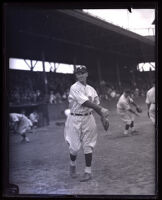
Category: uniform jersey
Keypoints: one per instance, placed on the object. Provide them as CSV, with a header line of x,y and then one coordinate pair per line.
x,y
24,123
123,103
150,96
15,117
81,130
80,93
150,99
123,106
33,117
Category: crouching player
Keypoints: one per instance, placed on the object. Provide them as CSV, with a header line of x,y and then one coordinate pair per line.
x,y
22,125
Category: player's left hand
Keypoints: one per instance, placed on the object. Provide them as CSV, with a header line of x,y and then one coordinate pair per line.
x,y
105,122
139,109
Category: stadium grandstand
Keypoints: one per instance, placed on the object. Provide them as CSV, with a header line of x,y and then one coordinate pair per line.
x,y
109,51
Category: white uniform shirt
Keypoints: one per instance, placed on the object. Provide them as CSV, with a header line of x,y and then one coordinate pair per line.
x,y
150,96
33,117
79,94
16,117
124,103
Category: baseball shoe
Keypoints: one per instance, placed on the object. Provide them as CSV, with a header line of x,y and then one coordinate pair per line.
x,y
86,177
126,132
26,139
73,171
133,130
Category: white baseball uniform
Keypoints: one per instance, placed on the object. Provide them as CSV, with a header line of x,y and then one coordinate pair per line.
x,y
81,130
24,124
33,117
150,99
123,105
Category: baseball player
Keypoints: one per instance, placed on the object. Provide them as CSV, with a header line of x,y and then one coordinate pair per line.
x,y
150,101
34,117
52,98
125,111
22,123
80,125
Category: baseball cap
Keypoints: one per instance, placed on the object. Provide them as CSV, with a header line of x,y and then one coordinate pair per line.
x,y
127,91
80,69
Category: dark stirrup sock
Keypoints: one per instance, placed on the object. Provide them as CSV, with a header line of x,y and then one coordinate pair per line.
x,y
132,124
88,159
126,126
73,157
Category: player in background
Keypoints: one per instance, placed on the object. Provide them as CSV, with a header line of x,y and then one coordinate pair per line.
x,y
80,126
34,117
150,101
22,124
125,111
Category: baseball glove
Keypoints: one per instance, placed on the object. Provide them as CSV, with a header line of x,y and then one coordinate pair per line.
x,y
139,109
105,122
104,112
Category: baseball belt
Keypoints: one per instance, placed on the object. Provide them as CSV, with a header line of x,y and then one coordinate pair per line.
x,y
77,114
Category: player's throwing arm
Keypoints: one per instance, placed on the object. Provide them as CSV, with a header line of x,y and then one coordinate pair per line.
x,y
103,112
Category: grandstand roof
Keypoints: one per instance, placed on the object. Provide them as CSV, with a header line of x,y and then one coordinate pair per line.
x,y
71,36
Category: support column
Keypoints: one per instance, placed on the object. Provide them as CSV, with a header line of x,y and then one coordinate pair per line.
x,y
99,71
55,68
118,75
134,78
74,62
44,74
132,67
150,77
31,68
44,104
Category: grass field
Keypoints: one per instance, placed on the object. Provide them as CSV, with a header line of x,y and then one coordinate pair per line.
x,y
121,165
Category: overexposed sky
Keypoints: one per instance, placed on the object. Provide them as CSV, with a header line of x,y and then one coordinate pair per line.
x,y
139,20
20,64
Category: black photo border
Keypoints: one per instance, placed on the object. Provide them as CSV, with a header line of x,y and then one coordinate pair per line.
x,y
6,186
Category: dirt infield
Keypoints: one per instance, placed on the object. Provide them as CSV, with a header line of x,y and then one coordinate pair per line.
x,y
122,165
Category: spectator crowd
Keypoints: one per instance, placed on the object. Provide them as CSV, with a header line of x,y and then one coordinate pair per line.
x,y
28,87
